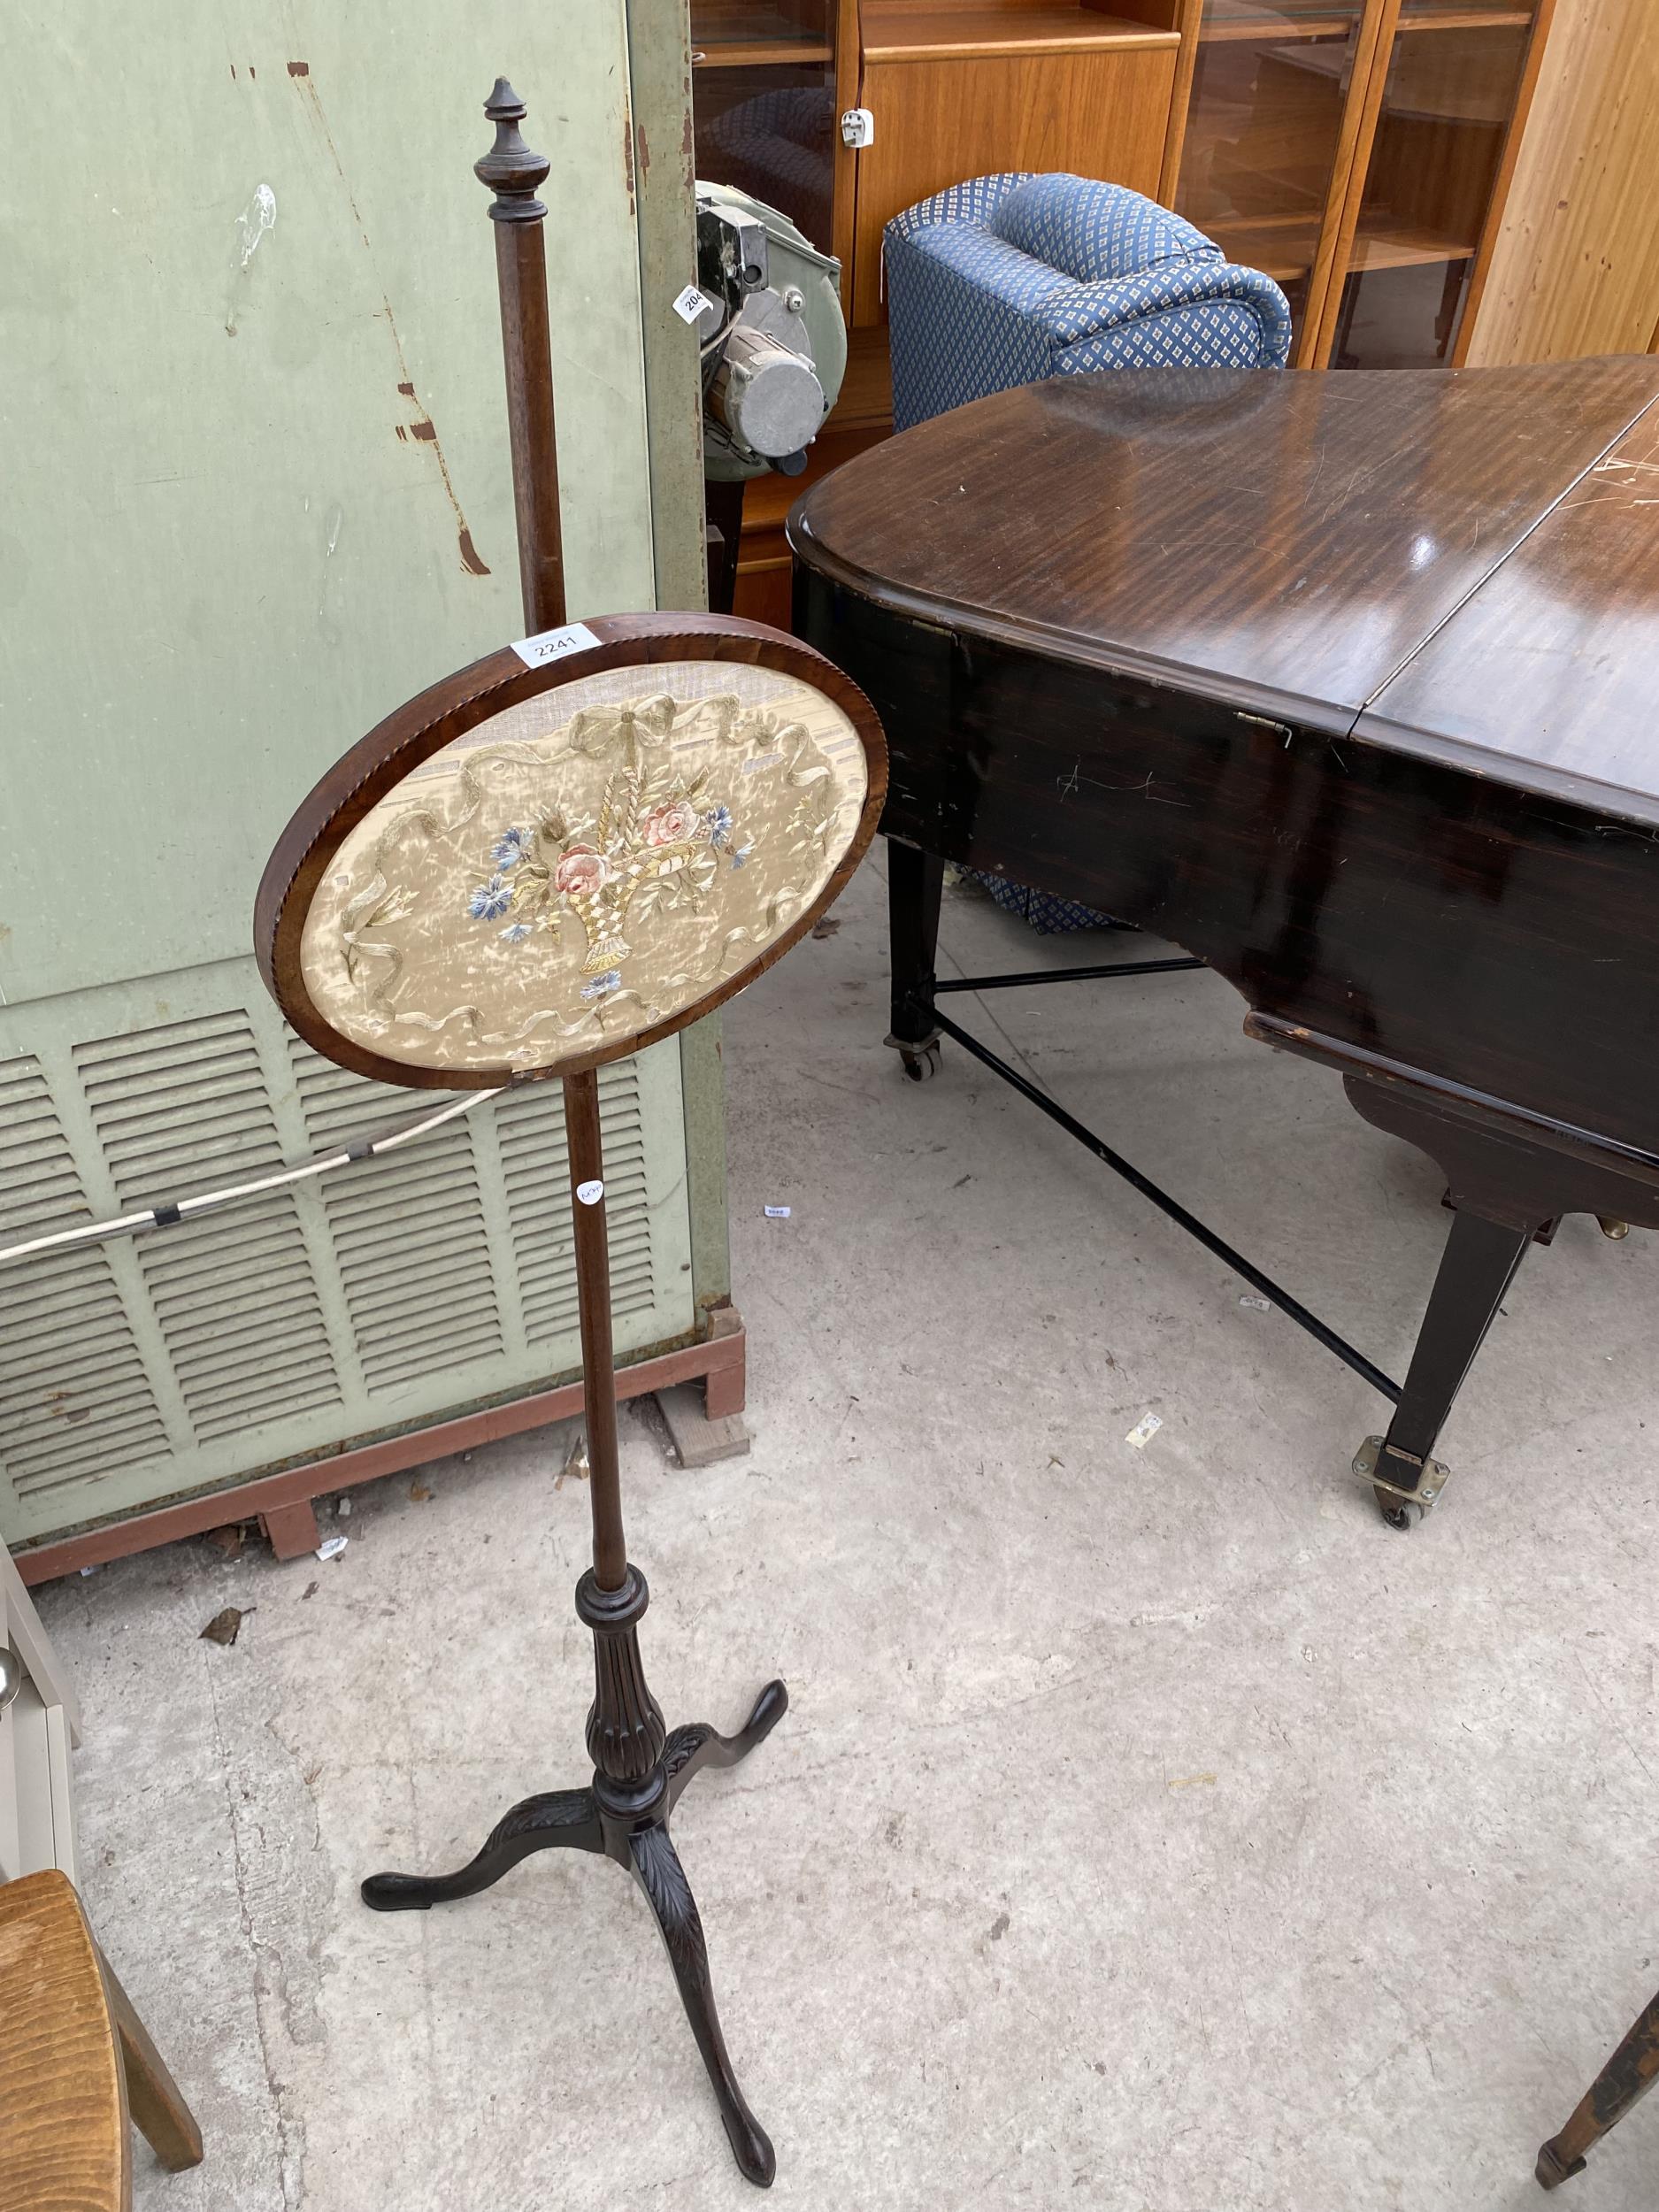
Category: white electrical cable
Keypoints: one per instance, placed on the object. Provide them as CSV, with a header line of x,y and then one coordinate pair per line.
x,y
186,1209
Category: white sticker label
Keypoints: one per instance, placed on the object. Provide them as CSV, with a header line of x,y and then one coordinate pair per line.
x,y
777,1213
1144,1430
552,645
691,304
590,1194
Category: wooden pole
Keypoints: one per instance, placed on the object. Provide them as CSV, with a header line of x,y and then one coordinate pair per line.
x,y
592,1297
513,172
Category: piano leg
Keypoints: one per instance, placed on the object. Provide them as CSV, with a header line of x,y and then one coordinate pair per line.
x,y
1476,1270
1507,1182
915,880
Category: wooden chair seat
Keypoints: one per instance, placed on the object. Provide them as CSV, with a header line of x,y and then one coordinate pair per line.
x,y
75,2062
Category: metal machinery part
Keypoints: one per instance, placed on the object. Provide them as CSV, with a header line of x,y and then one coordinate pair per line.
x,y
772,337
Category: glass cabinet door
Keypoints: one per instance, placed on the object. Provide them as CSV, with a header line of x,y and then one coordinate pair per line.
x,y
1453,77
763,96
1270,87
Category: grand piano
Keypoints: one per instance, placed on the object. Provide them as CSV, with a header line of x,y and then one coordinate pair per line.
x,y
1349,686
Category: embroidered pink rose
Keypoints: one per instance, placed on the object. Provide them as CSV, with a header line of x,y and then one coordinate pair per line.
x,y
582,869
675,823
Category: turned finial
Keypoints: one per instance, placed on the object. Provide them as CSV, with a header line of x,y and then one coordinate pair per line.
x,y
509,169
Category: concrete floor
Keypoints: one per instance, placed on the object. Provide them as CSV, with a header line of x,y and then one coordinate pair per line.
x,y
1149,1829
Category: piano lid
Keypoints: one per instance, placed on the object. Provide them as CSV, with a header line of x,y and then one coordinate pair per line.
x,y
1290,541
1548,676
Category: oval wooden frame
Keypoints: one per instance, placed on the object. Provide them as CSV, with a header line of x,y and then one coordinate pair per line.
x,y
447,710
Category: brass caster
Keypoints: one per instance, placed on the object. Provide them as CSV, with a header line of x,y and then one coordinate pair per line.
x,y
1403,1505
1610,1227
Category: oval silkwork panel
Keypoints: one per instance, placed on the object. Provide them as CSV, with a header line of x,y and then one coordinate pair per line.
x,y
583,866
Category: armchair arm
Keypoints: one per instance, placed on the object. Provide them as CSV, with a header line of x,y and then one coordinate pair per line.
x,y
971,202
1077,311
1003,281
959,308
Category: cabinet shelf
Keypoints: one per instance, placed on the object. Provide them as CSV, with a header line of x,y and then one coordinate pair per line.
x,y
1281,246
1272,26
1466,15
897,33
758,53
1274,33
1382,244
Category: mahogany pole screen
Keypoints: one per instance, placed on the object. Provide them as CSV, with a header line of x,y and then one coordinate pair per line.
x,y
538,866
551,860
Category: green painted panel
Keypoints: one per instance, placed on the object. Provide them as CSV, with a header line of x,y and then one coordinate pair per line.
x,y
383,1296
253,414
659,58
232,540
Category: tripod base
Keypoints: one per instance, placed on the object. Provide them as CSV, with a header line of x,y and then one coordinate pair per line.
x,y
629,1823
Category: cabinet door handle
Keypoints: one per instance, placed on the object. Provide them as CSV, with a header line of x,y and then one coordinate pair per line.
x,y
10,1675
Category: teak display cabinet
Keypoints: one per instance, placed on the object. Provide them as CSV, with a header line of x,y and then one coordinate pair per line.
x,y
1358,151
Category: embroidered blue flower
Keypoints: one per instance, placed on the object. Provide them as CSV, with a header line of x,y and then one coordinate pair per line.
x,y
510,848
603,985
719,821
515,933
490,901
740,856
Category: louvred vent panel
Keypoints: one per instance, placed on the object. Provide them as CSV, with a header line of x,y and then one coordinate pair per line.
x,y
293,1323
410,1235
536,1170
179,1109
74,1398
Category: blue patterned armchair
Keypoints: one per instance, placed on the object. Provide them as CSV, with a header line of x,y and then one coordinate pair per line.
x,y
1005,281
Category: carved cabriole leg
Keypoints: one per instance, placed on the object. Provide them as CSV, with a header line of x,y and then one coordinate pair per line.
x,y
1628,2076
558,1820
689,1749
914,882
635,1782
662,1880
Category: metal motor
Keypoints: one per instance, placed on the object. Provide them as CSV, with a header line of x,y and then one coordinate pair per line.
x,y
773,343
